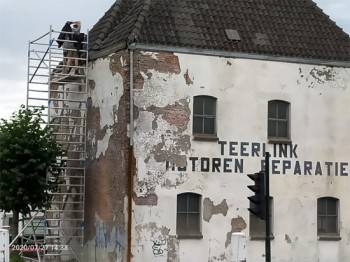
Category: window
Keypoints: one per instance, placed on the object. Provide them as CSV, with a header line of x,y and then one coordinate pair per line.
x,y
328,218
278,120
204,116
257,225
188,215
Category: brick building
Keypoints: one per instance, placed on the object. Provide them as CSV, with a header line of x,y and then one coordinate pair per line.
x,y
184,99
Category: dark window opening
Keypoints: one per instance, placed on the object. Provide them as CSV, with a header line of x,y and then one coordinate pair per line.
x,y
278,119
188,215
327,216
204,115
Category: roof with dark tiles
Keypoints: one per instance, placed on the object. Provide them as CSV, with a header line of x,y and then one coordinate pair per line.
x,y
287,28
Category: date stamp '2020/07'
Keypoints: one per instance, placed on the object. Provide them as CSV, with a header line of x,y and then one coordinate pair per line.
x,y
35,247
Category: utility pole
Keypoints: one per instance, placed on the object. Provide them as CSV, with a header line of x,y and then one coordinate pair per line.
x,y
267,209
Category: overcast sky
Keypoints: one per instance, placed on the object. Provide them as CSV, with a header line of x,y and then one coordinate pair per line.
x,y
24,20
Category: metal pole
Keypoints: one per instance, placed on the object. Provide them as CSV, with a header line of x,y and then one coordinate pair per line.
x,y
267,209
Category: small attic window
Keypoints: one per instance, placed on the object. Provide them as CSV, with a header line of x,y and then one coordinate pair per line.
x,y
232,34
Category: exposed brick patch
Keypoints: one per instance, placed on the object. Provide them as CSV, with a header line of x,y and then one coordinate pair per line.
x,y
107,176
148,200
172,154
119,62
160,62
177,114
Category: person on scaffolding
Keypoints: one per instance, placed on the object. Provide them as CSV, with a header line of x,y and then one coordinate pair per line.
x,y
70,39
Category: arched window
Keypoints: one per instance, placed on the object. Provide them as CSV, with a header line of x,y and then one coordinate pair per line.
x,y
327,216
278,119
204,115
188,215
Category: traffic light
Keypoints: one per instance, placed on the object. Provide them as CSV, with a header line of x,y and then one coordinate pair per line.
x,y
258,200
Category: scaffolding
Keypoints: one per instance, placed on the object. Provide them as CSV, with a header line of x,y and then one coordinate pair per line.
x,y
60,89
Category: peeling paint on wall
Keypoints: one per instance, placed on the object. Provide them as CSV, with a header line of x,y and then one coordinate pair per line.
x,y
173,249
147,200
117,63
102,145
188,79
107,149
110,239
106,92
322,75
237,225
287,238
222,257
177,114
319,76
153,232
162,133
146,62
209,209
170,149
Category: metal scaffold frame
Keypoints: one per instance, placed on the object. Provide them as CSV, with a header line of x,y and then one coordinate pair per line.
x,y
57,83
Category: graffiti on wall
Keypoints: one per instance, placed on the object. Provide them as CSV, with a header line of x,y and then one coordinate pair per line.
x,y
107,237
158,247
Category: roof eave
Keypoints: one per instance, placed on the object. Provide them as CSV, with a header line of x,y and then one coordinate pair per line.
x,y
275,58
95,54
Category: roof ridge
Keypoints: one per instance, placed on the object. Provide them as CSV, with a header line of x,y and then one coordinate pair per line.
x,y
136,28
110,24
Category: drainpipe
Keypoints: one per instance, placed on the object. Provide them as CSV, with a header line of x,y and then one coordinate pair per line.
x,y
131,153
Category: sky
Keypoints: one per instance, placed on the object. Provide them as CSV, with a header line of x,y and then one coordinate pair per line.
x,y
25,20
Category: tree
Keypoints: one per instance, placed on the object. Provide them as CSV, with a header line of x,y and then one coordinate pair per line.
x,y
28,151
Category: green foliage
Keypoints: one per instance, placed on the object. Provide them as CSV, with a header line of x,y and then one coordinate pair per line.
x,y
27,152
15,257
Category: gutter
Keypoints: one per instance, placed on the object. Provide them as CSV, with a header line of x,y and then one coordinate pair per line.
x,y
196,51
131,155
95,54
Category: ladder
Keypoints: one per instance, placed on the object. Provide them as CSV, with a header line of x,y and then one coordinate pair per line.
x,y
60,89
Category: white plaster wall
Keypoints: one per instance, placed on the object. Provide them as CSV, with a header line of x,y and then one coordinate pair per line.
x,y
105,91
319,126
105,96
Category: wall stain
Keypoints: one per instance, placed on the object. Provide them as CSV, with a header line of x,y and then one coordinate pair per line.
x,y
151,232
321,76
147,185
188,79
173,249
287,238
177,115
91,84
222,257
106,176
144,62
237,225
147,200
117,62
209,209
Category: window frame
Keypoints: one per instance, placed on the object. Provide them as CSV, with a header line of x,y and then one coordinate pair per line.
x,y
258,232
277,119
203,116
333,234
185,233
